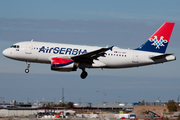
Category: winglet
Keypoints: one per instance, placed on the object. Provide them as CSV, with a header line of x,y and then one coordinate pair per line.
x,y
110,48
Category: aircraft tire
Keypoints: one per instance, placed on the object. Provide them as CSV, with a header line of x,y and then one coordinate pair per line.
x,y
26,70
84,75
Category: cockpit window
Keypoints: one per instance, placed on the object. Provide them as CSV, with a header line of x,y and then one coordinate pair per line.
x,y
15,46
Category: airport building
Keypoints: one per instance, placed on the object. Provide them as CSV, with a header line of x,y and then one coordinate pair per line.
x,y
14,108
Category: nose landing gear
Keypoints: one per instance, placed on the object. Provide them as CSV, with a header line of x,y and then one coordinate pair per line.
x,y
27,69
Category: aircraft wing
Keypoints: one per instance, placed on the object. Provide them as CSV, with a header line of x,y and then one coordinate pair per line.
x,y
88,57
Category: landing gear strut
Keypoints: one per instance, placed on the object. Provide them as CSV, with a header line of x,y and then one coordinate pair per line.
x,y
84,73
27,69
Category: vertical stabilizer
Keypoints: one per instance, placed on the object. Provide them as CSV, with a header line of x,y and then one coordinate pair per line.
x,y
158,42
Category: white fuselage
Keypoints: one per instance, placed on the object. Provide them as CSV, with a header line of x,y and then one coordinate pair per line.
x,y
43,52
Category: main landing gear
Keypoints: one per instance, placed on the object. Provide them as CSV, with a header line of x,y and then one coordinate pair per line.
x,y
84,74
27,69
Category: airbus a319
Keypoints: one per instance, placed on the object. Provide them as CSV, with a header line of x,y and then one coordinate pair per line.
x,y
68,57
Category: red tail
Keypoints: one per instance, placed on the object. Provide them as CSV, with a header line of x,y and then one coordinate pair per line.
x,y
165,30
158,42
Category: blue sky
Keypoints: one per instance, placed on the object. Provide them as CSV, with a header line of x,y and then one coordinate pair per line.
x,y
126,24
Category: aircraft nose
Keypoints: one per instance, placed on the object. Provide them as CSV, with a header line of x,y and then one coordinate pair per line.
x,y
5,53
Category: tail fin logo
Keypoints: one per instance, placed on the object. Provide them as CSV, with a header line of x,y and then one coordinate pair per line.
x,y
157,42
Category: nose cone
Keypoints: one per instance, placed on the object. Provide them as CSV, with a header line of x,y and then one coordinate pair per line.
x,y
5,53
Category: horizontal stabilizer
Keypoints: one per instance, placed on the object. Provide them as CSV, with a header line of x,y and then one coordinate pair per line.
x,y
159,56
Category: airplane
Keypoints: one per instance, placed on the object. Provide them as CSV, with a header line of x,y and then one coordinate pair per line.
x,y
69,57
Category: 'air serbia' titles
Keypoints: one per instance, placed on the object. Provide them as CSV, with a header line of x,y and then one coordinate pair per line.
x,y
66,51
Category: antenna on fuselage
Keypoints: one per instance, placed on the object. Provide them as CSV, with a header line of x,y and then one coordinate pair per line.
x,y
32,40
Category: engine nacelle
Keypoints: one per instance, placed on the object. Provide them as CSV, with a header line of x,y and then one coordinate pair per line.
x,y
63,64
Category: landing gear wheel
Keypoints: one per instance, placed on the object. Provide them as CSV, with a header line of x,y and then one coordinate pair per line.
x,y
84,75
26,70
28,66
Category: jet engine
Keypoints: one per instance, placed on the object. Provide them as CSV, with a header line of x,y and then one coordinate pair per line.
x,y
63,64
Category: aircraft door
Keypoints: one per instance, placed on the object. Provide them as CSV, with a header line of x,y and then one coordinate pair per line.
x,y
28,48
135,57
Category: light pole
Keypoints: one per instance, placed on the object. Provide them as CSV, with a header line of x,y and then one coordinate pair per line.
x,y
54,100
2,99
105,97
79,101
97,99
119,101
